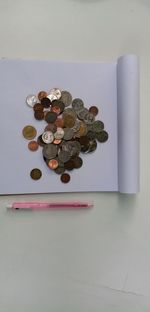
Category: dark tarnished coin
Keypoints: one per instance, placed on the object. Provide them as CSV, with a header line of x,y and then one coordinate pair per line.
x,y
42,94
77,104
50,117
102,136
68,133
60,170
40,141
29,132
45,102
84,140
51,127
35,174
39,115
69,111
89,118
82,113
65,177
50,151
60,104
63,156
77,162
33,146
66,98
93,110
92,146
97,126
69,121
38,106
69,165
91,135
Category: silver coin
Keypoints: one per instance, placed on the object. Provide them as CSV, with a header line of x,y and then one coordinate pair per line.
x,y
75,147
31,100
68,134
66,98
48,137
54,94
59,133
89,118
98,126
63,156
76,126
77,104
50,151
69,111
82,113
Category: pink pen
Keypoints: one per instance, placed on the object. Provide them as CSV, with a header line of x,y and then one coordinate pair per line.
x,y
50,205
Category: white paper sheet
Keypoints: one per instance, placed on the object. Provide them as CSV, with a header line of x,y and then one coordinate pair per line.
x,y
96,84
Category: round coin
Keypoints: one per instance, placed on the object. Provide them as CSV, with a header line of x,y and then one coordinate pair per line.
x,y
82,113
68,134
59,122
60,170
53,164
29,132
94,110
48,137
65,177
33,146
59,133
38,106
89,118
45,102
39,115
66,98
69,165
60,104
35,174
51,127
69,121
42,94
98,126
50,117
31,100
77,104
102,136
55,109
54,94
63,156
50,151
77,162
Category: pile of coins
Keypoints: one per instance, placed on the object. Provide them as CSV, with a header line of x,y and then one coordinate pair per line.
x,y
70,129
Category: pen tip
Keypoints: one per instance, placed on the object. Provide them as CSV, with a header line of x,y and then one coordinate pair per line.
x,y
9,206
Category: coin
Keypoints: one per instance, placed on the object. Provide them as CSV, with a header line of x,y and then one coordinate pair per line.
x,y
31,100
33,146
55,109
77,104
66,98
102,136
76,126
53,164
59,122
84,140
29,132
82,113
60,170
59,133
69,111
40,141
69,121
89,118
82,130
77,162
35,174
69,165
46,102
63,156
56,141
60,104
38,106
94,110
50,117
42,94
92,146
48,137
39,115
51,127
68,134
98,126
54,94
50,151
65,177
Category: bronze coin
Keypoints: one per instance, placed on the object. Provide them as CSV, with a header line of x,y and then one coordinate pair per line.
x,y
77,162
102,136
69,121
69,165
45,102
40,141
42,94
39,114
94,110
59,104
65,177
51,127
29,132
35,174
53,163
59,122
33,146
84,140
55,109
38,106
50,117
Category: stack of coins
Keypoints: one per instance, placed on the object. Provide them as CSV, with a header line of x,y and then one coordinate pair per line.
x,y
71,129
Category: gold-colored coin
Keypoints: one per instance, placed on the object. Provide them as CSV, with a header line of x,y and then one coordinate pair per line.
x,y
35,174
29,132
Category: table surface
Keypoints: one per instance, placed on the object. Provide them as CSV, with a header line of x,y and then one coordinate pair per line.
x,y
98,259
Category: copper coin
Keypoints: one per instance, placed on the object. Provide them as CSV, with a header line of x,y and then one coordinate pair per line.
x,y
94,110
77,162
29,132
57,141
35,174
33,146
59,104
65,177
45,102
38,106
55,109
59,122
53,164
69,165
51,127
50,117
42,94
69,121
39,114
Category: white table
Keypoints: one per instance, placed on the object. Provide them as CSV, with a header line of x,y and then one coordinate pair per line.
x,y
94,260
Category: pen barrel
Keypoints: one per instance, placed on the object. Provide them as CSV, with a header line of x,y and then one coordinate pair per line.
x,y
52,205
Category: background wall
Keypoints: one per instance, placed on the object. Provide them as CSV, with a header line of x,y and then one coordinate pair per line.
x,y
95,260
